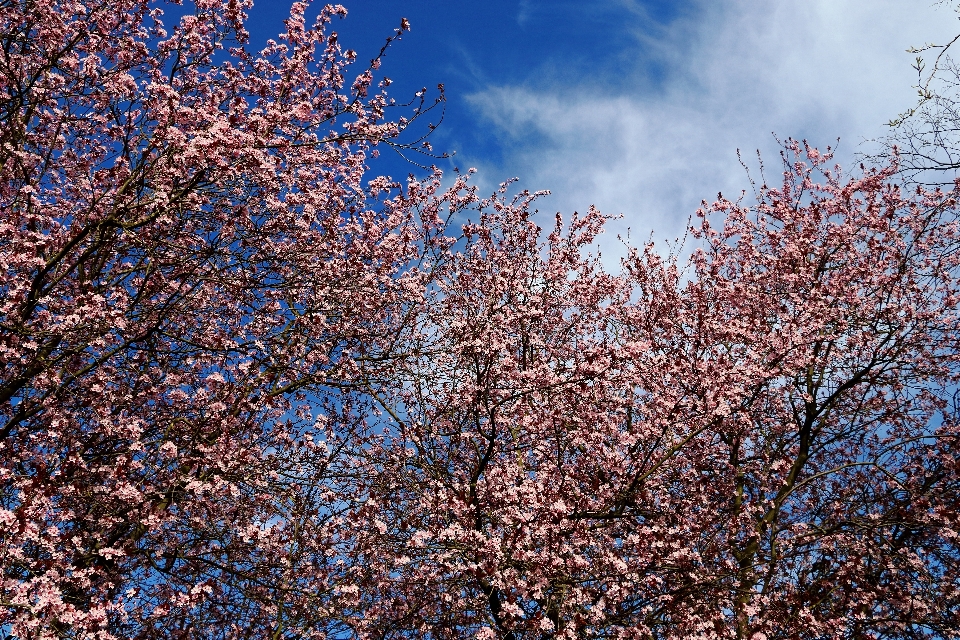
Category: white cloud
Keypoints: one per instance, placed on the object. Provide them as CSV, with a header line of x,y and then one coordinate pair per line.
x,y
735,72
523,12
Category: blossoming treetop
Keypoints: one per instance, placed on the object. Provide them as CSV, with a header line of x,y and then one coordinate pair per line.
x,y
249,391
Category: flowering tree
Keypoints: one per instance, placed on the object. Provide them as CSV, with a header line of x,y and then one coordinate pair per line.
x,y
248,392
191,266
761,445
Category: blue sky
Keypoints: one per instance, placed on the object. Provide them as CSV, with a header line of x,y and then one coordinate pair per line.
x,y
639,106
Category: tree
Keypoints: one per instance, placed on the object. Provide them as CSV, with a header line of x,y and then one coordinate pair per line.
x,y
248,392
193,272
927,136
760,445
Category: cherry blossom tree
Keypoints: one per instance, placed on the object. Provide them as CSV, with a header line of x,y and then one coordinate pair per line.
x,y
761,444
248,391
194,271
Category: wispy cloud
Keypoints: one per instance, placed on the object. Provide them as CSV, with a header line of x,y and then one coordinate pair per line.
x,y
732,72
524,11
